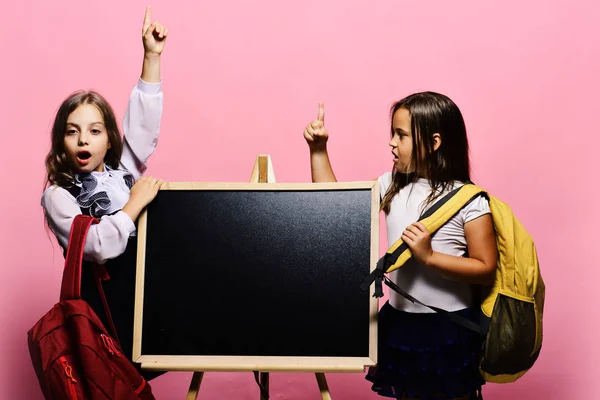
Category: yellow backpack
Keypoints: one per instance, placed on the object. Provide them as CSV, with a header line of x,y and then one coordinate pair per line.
x,y
512,308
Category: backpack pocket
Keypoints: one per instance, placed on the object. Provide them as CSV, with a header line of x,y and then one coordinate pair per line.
x,y
510,346
114,375
64,380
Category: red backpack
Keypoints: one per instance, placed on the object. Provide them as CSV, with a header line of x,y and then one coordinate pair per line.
x,y
73,355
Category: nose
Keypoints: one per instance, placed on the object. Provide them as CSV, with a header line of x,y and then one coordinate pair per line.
x,y
393,142
83,139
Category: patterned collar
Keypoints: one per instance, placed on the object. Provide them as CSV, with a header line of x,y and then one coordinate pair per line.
x,y
89,195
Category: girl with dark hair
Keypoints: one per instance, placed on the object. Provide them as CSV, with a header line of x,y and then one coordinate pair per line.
x,y
422,354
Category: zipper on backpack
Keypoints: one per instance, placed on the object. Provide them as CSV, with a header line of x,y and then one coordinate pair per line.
x,y
109,344
69,373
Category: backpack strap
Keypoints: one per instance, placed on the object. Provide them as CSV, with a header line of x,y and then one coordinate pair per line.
x,y
71,282
100,274
398,249
433,218
460,320
397,255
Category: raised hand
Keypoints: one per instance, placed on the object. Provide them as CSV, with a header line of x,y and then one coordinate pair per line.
x,y
154,35
315,133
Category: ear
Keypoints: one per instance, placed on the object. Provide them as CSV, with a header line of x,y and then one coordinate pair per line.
x,y
109,145
437,141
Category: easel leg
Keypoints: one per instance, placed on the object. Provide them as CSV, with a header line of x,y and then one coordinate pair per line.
x,y
325,395
263,173
264,381
195,386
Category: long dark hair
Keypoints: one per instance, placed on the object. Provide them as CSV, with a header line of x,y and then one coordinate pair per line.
x,y
432,113
58,170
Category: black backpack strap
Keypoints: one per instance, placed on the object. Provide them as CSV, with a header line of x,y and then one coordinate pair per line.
x,y
377,276
460,320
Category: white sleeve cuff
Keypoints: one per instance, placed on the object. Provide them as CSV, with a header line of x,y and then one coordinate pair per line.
x,y
148,87
124,222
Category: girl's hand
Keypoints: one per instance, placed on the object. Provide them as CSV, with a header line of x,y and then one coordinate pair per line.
x,y
144,191
154,35
141,194
315,133
418,240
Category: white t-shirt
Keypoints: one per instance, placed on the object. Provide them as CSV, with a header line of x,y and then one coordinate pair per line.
x,y
427,284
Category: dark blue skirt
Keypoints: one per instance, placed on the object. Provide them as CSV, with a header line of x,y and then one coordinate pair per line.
x,y
426,356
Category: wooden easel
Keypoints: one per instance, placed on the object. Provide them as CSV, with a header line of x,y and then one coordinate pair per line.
x,y
261,173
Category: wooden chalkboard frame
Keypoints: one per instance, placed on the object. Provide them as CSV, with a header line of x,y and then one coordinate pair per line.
x,y
257,363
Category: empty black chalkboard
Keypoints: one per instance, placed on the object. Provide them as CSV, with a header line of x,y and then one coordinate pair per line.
x,y
236,271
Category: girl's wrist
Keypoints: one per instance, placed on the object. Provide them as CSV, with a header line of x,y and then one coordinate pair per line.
x,y
430,261
134,206
314,150
151,56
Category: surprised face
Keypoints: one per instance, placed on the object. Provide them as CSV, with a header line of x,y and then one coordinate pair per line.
x,y
86,139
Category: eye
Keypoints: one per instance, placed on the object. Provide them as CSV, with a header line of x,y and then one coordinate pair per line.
x,y
70,132
96,131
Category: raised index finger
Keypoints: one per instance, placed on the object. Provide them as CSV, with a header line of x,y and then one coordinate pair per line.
x,y
148,17
321,116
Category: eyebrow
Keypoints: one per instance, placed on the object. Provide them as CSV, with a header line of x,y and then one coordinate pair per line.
x,y
400,130
75,125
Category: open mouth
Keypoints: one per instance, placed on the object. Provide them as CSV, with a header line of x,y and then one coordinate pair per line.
x,y
84,155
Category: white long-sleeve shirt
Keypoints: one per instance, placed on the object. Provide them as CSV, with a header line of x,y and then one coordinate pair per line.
x,y
108,239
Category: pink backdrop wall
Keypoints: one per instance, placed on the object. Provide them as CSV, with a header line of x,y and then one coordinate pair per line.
x,y
244,77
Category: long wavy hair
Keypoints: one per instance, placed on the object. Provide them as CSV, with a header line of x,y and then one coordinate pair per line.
x,y
58,169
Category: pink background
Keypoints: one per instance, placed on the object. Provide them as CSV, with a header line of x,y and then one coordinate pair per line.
x,y
244,77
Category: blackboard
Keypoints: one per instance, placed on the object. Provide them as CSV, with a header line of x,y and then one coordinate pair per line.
x,y
255,276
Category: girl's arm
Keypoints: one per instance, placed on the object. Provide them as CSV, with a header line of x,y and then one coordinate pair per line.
x,y
107,239
141,124
316,136
478,268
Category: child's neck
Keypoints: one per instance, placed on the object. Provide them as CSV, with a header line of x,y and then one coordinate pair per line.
x,y
99,168
422,175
